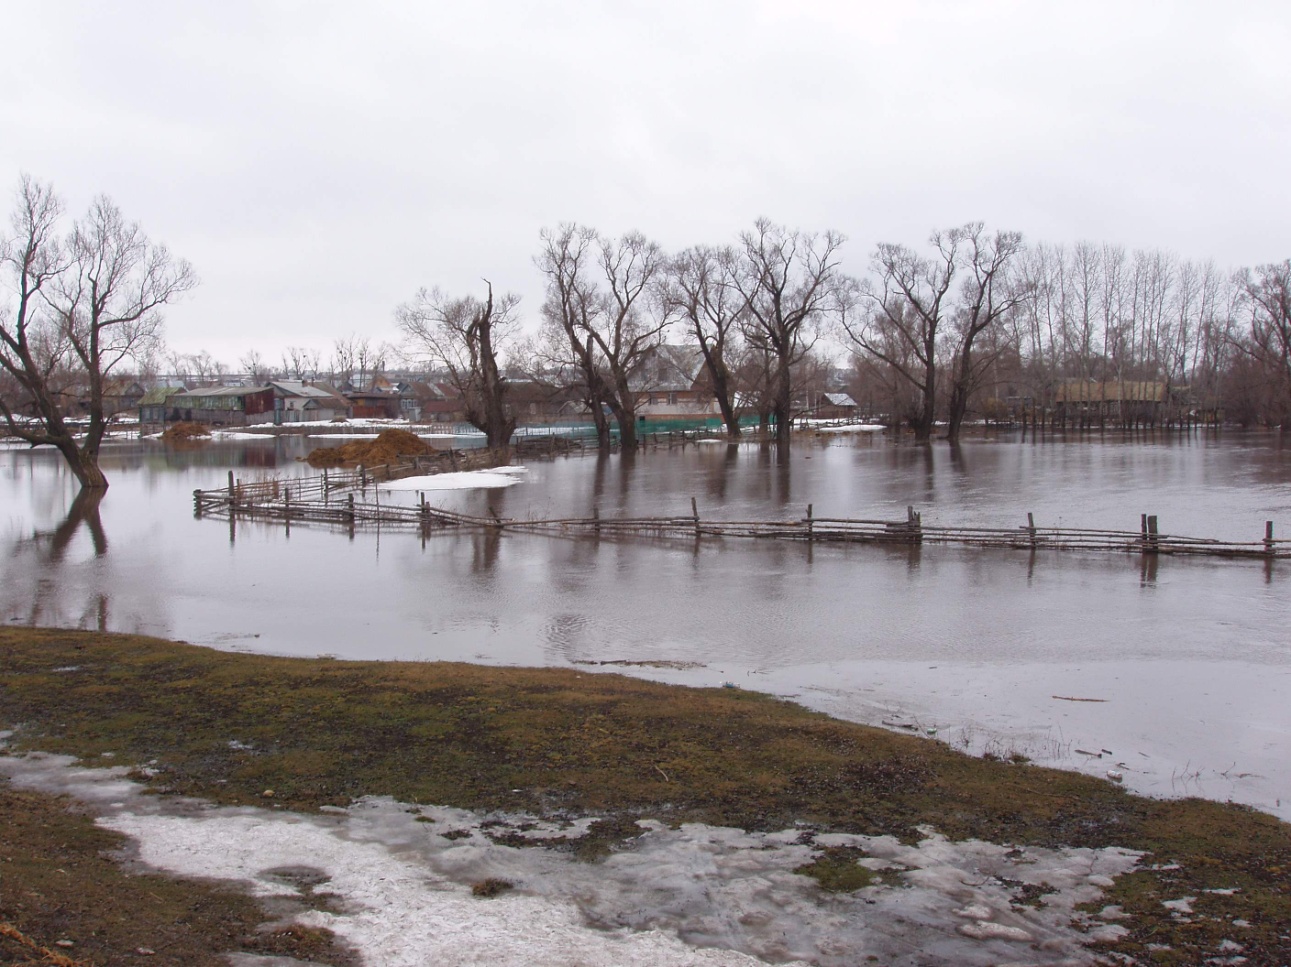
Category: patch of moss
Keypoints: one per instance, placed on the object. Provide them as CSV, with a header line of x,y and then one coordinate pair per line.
x,y
837,870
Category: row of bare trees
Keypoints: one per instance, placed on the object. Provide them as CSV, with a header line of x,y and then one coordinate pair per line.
x,y
1216,340
755,310
355,359
932,328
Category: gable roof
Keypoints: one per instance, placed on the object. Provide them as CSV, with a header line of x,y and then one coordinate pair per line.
x,y
669,368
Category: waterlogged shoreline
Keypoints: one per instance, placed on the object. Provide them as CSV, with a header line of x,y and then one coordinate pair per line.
x,y
627,757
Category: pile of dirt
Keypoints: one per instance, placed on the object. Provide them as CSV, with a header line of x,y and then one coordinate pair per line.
x,y
390,446
186,433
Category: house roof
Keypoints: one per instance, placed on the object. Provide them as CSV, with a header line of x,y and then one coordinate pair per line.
x,y
156,396
838,399
670,368
210,391
311,391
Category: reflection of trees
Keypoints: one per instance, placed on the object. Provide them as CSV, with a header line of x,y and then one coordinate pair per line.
x,y
484,550
720,470
41,557
84,510
773,479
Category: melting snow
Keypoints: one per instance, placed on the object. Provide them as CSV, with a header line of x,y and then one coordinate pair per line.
x,y
465,480
699,896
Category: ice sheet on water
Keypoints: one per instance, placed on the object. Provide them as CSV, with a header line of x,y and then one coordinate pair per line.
x,y
700,896
463,480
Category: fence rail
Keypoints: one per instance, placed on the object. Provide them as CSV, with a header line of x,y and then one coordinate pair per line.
x,y
330,499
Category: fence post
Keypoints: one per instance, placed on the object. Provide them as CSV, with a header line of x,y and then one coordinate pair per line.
x,y
809,523
915,523
1268,538
349,511
1153,537
1031,528
197,504
694,513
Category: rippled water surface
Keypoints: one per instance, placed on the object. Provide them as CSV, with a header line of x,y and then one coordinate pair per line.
x,y
1190,659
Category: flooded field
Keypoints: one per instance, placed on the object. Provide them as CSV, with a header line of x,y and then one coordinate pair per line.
x,y
1174,674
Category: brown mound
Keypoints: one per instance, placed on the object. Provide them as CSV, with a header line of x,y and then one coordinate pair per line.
x,y
186,433
389,447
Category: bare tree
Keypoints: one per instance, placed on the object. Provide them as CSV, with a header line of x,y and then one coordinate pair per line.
x,y
568,261
604,316
205,367
989,294
1266,293
902,317
83,304
256,369
702,290
630,322
789,281
350,355
300,362
463,336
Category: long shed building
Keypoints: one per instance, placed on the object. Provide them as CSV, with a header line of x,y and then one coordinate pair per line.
x,y
222,406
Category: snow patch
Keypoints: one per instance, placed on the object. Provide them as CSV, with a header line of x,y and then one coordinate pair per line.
x,y
700,896
463,480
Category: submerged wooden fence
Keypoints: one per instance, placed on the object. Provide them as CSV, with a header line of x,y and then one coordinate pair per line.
x,y
330,499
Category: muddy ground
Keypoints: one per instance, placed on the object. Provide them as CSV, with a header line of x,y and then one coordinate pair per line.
x,y
304,734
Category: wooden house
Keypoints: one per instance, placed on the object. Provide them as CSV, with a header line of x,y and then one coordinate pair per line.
x,y
1119,402
835,406
304,401
152,405
373,404
670,385
222,406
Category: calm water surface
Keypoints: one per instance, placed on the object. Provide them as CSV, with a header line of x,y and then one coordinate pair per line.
x,y
1190,659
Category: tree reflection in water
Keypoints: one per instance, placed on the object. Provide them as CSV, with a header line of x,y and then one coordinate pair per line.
x,y
50,549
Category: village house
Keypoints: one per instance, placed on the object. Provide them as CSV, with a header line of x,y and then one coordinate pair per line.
x,y
152,405
119,396
222,406
1084,401
670,385
303,401
835,406
432,402
535,402
374,404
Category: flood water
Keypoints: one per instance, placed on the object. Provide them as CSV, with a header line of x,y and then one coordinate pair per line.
x,y
1183,665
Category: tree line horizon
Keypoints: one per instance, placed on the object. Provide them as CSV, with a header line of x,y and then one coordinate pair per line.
x,y
928,329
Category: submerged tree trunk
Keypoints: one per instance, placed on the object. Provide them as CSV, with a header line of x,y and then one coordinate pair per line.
x,y
627,421
729,415
782,407
601,422
84,465
961,386
927,418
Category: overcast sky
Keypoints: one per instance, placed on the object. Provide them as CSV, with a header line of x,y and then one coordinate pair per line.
x,y
318,161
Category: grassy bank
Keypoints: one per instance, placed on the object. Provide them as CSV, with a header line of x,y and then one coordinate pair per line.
x,y
308,733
